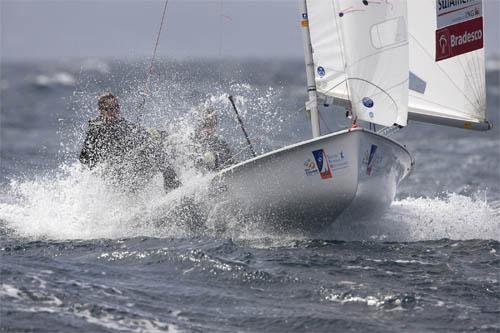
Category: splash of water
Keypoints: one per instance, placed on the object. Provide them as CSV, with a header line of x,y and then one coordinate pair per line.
x,y
77,204
453,216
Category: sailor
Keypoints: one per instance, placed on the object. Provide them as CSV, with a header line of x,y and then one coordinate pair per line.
x,y
214,153
126,152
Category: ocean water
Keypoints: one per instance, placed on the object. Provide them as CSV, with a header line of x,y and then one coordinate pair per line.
x,y
79,256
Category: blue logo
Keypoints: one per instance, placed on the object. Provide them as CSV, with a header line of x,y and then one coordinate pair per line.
x,y
370,114
368,102
373,149
321,71
304,16
322,163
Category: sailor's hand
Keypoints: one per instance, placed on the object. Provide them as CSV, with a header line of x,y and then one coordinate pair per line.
x,y
209,159
153,132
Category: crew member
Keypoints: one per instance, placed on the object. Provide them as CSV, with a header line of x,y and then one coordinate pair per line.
x,y
127,152
214,152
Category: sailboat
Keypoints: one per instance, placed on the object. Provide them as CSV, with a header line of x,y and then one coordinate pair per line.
x,y
388,63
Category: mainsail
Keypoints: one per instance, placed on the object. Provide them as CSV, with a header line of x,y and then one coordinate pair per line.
x,y
382,56
449,91
360,51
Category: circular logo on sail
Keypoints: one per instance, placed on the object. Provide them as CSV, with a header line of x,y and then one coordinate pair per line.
x,y
368,102
321,71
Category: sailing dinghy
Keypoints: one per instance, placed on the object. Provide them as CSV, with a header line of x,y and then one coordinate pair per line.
x,y
387,62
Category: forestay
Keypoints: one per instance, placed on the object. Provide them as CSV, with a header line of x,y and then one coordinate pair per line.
x,y
451,91
360,50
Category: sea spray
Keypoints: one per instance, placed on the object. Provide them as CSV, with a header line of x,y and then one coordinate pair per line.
x,y
452,216
75,203
78,204
177,97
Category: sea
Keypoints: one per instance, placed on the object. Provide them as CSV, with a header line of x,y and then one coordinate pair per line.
x,y
78,255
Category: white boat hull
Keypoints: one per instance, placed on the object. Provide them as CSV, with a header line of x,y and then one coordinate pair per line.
x,y
307,185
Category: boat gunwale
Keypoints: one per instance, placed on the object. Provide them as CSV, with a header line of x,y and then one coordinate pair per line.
x,y
306,142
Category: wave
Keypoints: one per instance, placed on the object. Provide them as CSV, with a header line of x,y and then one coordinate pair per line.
x,y
63,79
452,216
77,204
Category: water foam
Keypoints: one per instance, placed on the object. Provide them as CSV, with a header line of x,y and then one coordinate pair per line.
x,y
454,216
77,204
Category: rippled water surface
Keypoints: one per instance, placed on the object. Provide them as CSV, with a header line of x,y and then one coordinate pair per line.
x,y
204,284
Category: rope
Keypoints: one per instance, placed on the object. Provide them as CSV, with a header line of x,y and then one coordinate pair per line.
x,y
389,131
145,93
221,37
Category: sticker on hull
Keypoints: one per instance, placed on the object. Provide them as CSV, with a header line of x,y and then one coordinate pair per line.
x,y
322,163
310,168
325,164
371,159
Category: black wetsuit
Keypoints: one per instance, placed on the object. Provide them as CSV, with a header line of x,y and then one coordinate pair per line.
x,y
127,152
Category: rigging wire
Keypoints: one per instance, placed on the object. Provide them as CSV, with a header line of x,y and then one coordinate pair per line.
x,y
221,38
145,92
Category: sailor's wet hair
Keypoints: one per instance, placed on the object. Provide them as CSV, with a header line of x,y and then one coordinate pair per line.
x,y
107,102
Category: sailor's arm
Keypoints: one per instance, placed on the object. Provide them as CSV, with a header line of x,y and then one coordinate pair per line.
x,y
88,155
225,158
170,178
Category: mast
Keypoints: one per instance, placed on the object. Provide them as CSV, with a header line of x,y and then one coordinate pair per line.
x,y
312,103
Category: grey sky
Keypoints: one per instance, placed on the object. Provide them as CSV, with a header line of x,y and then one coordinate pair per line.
x,y
34,29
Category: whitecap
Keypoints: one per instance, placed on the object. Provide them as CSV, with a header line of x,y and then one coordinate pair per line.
x,y
454,216
7,290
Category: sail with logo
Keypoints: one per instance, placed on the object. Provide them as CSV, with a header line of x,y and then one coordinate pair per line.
x,y
447,67
394,60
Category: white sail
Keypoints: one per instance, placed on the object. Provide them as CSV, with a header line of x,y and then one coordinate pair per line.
x,y
328,58
369,40
450,91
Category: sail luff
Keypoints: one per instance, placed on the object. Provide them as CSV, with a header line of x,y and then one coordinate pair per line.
x,y
327,45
